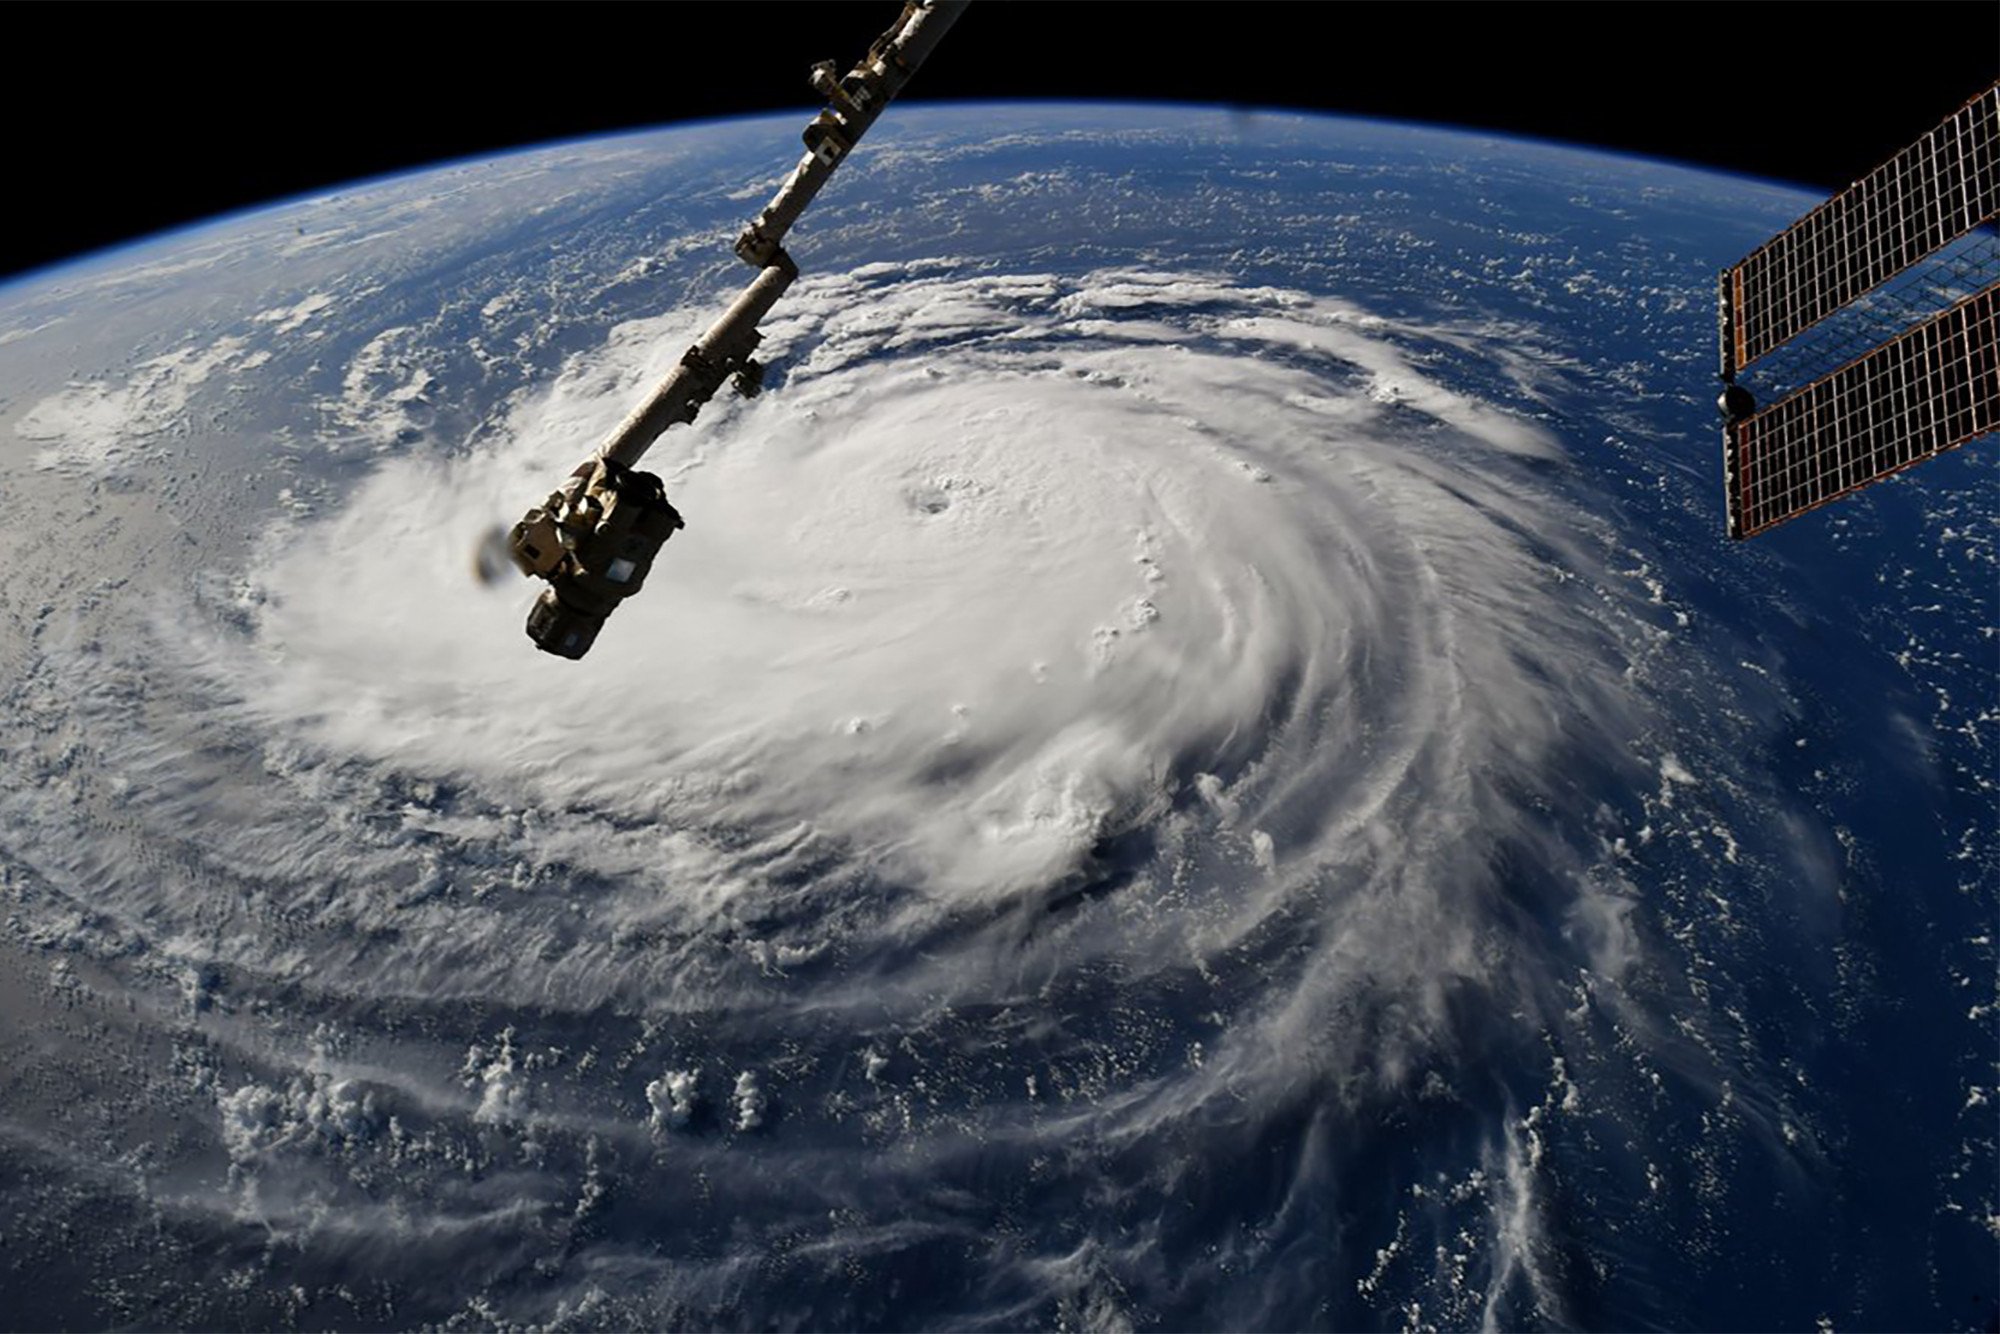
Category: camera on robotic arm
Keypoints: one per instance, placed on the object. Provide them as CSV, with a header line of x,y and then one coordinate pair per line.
x,y
593,540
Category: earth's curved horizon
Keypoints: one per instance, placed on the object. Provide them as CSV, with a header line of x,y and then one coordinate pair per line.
x,y
1244,116
1202,762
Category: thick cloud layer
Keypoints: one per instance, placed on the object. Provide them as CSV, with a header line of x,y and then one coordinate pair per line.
x,y
1164,705
1118,766
999,574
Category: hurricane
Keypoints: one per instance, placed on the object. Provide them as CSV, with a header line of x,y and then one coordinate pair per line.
x,y
1156,702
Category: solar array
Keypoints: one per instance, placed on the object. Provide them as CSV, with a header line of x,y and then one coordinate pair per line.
x,y
1828,305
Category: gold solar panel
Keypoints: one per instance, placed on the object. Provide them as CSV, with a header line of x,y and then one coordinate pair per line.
x,y
1869,323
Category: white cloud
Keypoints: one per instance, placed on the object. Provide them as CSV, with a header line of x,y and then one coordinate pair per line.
x,y
907,606
750,1102
284,319
96,428
951,634
673,1097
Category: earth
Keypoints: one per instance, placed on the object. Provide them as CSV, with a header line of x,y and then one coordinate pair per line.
x,y
1201,762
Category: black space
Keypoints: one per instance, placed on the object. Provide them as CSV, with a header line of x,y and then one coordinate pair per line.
x,y
181,112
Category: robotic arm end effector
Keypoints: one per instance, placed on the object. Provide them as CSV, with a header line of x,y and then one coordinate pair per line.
x,y
594,541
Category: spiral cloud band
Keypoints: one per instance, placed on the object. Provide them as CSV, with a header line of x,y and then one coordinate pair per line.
x,y
1004,569
1101,743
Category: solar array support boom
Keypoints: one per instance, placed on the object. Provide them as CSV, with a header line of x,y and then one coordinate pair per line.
x,y
1881,300
595,537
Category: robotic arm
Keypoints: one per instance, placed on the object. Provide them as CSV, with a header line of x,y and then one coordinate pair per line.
x,y
594,539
